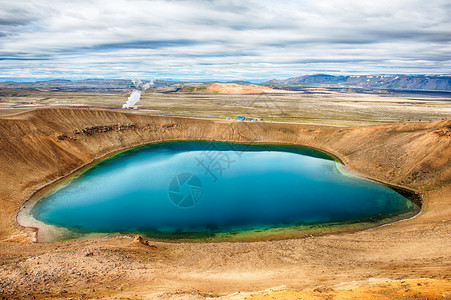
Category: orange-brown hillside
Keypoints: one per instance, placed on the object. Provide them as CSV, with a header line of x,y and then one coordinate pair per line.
x,y
234,88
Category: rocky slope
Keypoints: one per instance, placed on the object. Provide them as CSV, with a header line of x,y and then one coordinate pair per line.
x,y
40,146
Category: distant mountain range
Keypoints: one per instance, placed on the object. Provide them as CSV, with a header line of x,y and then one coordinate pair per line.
x,y
67,84
396,82
87,84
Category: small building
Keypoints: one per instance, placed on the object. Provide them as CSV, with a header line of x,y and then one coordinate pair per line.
x,y
253,120
241,118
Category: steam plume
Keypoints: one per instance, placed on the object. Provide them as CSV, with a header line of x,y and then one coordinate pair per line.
x,y
133,99
136,94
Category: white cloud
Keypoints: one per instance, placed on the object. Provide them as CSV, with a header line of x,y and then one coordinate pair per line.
x,y
222,39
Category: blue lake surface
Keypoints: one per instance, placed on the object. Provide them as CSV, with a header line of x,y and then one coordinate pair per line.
x,y
209,187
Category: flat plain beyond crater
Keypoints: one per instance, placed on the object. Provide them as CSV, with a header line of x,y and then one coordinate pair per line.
x,y
376,136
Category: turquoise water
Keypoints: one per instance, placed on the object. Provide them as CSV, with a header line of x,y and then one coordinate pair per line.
x,y
208,187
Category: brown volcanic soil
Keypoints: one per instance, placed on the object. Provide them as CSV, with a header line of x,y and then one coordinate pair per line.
x,y
234,88
40,146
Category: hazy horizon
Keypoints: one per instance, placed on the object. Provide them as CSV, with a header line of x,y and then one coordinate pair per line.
x,y
35,80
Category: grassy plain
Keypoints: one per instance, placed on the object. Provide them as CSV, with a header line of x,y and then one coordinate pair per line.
x,y
311,106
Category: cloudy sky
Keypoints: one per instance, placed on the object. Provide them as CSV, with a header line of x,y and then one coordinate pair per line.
x,y
222,39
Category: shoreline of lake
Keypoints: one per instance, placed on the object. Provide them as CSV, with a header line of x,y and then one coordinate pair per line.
x,y
50,233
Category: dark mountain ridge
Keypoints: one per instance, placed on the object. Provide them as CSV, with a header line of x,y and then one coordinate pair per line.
x,y
396,82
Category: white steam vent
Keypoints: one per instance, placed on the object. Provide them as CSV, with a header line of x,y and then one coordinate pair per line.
x,y
139,87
